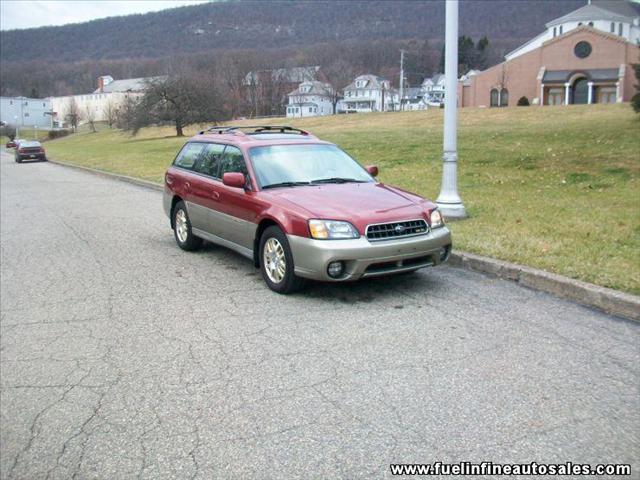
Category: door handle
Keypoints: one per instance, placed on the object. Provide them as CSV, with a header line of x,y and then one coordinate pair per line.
x,y
187,186
215,195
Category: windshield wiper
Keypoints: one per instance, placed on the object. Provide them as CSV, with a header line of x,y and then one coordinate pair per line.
x,y
285,184
338,180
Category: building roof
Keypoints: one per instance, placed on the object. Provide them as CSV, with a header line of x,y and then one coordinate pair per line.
x,y
373,81
595,75
128,85
412,93
317,88
286,75
436,79
615,11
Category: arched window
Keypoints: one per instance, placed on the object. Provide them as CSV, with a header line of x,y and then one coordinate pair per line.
x,y
504,97
494,97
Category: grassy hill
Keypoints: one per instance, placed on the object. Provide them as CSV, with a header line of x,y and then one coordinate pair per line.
x,y
556,188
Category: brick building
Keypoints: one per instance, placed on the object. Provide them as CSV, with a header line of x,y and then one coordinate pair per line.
x,y
583,57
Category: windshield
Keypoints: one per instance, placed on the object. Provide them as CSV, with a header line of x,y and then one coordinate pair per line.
x,y
293,165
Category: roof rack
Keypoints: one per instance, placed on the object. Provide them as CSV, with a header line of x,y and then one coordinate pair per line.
x,y
221,130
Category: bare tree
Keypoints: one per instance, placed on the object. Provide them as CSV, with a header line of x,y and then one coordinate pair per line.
x,y
110,112
182,98
339,74
73,114
90,117
125,116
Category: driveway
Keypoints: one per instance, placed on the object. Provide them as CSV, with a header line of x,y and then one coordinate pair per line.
x,y
123,356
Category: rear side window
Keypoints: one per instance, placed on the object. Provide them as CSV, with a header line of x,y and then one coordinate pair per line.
x,y
209,161
189,155
232,161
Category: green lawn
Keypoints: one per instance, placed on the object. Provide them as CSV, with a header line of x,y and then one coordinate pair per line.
x,y
556,188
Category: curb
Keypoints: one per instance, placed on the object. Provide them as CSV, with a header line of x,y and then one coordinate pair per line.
x,y
124,178
605,299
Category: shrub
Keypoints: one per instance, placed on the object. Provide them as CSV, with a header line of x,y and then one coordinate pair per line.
x,y
8,131
58,133
523,102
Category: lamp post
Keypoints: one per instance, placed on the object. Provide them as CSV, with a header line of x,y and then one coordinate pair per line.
x,y
449,202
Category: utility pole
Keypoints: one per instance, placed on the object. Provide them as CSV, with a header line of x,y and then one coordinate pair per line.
x,y
449,201
401,77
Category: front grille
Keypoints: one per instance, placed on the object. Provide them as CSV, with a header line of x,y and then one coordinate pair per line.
x,y
387,231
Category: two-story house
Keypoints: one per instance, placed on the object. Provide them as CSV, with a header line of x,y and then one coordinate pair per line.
x,y
311,99
433,89
369,93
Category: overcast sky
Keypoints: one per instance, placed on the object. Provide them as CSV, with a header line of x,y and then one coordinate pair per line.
x,y
38,13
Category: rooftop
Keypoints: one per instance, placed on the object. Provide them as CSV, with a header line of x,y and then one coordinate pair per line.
x,y
128,85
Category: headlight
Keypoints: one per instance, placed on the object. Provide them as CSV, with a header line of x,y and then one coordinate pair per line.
x,y
436,219
332,230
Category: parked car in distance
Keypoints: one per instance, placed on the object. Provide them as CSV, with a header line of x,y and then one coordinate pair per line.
x,y
298,207
10,144
29,150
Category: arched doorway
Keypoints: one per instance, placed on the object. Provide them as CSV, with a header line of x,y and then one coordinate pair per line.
x,y
580,91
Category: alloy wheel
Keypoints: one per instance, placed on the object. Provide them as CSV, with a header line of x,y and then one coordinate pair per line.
x,y
182,230
274,260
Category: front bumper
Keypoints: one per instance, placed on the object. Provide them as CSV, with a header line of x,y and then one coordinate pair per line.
x,y
363,258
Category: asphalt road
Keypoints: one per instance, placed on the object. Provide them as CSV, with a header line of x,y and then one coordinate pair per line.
x,y
123,356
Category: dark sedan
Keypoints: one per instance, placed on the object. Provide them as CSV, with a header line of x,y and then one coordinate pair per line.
x,y
30,150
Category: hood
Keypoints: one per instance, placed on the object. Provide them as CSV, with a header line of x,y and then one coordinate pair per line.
x,y
358,203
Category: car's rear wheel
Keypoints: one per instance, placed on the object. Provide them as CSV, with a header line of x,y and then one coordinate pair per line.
x,y
276,262
185,238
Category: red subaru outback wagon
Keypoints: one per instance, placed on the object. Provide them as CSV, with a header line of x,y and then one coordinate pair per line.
x,y
299,207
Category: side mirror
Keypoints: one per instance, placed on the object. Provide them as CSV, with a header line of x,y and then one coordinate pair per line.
x,y
372,169
234,179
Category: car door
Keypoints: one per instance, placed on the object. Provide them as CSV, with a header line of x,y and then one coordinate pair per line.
x,y
238,208
184,181
205,188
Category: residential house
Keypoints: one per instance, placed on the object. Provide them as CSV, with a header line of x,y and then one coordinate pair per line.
x,y
585,57
413,98
311,99
369,93
26,112
433,89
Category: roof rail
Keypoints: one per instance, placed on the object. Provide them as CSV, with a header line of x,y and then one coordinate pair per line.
x,y
256,129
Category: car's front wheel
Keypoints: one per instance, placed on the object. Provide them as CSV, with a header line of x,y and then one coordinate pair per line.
x,y
276,262
185,238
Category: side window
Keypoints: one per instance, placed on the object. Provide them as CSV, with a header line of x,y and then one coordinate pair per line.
x,y
209,161
188,155
232,161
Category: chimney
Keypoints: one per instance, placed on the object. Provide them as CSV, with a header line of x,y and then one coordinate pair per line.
x,y
101,84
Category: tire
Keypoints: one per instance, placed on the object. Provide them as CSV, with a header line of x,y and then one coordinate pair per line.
x,y
185,238
19,160
276,262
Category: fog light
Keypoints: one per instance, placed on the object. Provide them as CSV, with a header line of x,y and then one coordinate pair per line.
x,y
335,269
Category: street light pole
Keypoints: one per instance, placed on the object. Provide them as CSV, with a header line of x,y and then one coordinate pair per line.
x,y
449,202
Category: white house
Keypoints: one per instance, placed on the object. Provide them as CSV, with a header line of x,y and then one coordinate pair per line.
x,y
26,112
433,89
311,99
413,98
369,93
108,97
618,18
